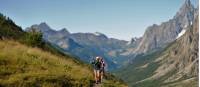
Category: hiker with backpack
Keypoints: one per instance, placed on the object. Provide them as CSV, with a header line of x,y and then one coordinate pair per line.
x,y
97,66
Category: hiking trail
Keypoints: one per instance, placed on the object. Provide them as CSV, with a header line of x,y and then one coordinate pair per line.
x,y
97,85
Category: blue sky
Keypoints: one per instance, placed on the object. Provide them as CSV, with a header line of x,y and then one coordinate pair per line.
x,y
122,19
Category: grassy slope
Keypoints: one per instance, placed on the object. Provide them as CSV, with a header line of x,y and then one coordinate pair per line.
x,y
24,66
31,65
133,73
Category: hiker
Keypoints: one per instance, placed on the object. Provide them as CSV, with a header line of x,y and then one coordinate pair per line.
x,y
102,69
97,65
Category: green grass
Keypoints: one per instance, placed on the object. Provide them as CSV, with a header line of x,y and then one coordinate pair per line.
x,y
155,82
23,66
132,73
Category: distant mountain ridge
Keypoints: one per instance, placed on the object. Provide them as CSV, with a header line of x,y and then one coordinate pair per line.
x,y
120,52
84,45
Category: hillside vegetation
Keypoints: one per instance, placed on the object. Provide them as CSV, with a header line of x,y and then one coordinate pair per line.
x,y
28,61
26,66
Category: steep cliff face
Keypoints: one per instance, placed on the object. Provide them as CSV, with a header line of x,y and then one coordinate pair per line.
x,y
176,65
158,36
182,56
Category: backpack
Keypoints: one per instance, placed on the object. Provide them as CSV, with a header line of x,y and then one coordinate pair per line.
x,y
97,64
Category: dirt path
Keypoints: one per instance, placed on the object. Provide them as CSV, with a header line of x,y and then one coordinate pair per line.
x,y
97,85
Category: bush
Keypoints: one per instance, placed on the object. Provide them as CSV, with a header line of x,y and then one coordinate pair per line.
x,y
33,38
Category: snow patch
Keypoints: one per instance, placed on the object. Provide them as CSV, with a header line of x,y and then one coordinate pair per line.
x,y
185,26
129,42
181,33
97,33
191,23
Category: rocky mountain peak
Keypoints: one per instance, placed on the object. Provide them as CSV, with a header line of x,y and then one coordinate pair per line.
x,y
185,14
64,31
43,23
44,26
187,2
187,6
132,41
158,36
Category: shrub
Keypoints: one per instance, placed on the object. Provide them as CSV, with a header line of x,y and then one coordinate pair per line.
x,y
33,38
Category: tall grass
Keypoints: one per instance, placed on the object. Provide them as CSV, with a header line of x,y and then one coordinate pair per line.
x,y
24,66
27,66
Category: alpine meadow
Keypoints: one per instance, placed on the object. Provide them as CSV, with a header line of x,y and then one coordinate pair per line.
x,y
106,43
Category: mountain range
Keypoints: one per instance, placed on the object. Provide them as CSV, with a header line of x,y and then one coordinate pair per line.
x,y
174,66
26,60
116,52
84,45
159,36
165,56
